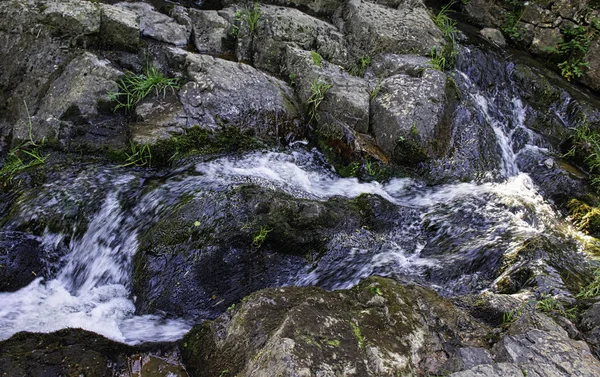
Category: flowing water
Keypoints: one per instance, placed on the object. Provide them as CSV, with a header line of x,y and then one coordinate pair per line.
x,y
451,236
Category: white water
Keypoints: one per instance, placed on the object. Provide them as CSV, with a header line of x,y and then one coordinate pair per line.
x,y
93,288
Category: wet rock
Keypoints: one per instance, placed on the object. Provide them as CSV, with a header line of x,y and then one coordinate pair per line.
x,y
280,27
20,260
406,115
74,352
371,28
223,93
377,328
211,31
119,27
494,35
73,18
544,40
158,26
214,248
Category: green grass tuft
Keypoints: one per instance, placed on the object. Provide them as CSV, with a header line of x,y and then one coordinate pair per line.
x,y
135,87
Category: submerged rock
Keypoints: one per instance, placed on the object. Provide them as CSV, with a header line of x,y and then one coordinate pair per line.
x,y
378,328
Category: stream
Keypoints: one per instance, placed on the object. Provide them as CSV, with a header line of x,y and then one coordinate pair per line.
x,y
450,236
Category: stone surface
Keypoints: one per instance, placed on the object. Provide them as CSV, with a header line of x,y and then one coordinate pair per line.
x,y
223,93
378,328
119,27
158,26
20,260
494,35
74,18
406,114
280,27
371,29
158,117
211,31
312,7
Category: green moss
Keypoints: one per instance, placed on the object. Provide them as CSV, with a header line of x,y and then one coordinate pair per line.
x,y
358,334
333,343
586,218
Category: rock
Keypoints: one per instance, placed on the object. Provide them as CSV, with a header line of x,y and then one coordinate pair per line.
x,y
591,317
386,65
223,93
74,103
470,357
20,260
570,9
484,12
312,7
119,27
591,77
158,117
407,113
371,29
535,339
544,40
280,27
378,328
200,270
74,352
73,18
345,105
494,35
494,370
158,26
211,32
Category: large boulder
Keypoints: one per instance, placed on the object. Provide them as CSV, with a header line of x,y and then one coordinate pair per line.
x,y
372,28
215,247
280,27
378,328
73,18
158,26
407,115
312,7
20,260
223,93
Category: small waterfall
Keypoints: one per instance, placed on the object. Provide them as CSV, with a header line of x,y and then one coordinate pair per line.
x,y
451,236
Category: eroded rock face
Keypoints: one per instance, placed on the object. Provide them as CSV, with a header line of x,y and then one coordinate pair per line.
x,y
372,28
378,328
20,260
223,93
406,114
157,25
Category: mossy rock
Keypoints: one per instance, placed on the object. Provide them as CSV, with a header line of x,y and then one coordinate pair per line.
x,y
379,327
585,217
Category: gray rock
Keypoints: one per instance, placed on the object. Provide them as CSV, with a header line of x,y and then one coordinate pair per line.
x,y
406,114
386,65
591,317
537,340
372,28
158,26
592,76
119,27
73,98
306,332
210,31
280,27
544,39
158,117
73,17
312,7
494,370
485,13
224,93
345,106
494,35
470,357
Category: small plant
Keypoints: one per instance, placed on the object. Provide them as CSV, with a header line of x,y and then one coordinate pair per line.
x,y
260,237
135,87
316,57
438,60
511,316
573,47
292,78
248,17
138,156
376,89
445,23
361,66
586,143
510,26
318,89
23,156
371,168
358,334
593,289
